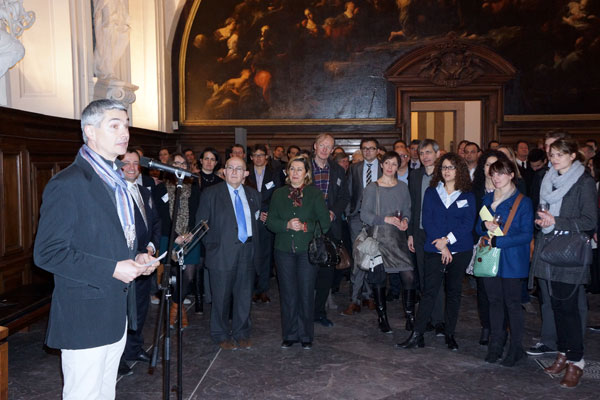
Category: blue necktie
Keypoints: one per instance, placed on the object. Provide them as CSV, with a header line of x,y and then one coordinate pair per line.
x,y
241,218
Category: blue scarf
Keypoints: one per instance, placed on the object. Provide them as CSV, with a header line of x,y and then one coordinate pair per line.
x,y
122,199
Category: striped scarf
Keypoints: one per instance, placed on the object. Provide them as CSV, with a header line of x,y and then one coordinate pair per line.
x,y
119,186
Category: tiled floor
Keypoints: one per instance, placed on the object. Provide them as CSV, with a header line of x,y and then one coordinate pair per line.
x,y
351,360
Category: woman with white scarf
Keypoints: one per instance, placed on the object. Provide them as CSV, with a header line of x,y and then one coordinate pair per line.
x,y
571,195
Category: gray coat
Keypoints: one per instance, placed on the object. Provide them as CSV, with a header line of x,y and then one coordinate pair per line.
x,y
578,210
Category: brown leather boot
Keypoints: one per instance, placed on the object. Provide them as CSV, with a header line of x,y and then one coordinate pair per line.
x,y
173,314
572,376
372,305
184,320
352,309
558,366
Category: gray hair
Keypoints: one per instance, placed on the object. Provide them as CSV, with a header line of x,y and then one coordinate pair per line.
x,y
93,113
429,142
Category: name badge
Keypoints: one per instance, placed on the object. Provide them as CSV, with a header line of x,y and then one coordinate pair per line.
x,y
269,185
462,203
256,215
339,182
165,198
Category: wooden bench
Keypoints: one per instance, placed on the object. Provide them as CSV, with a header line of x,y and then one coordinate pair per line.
x,y
19,309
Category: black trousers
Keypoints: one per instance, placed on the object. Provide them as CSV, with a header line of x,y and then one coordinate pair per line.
x,y
296,276
483,305
135,339
568,319
232,284
262,261
504,296
437,314
434,274
323,285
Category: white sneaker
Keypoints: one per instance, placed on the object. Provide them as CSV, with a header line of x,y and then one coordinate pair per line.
x,y
187,301
154,300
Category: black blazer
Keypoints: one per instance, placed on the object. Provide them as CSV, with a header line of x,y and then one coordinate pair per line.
x,y
271,179
221,241
355,185
151,233
415,179
338,196
80,241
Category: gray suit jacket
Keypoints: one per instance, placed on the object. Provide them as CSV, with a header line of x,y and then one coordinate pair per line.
x,y
221,242
356,187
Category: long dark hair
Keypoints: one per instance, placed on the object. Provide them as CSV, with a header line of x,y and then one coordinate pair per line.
x,y
479,175
463,179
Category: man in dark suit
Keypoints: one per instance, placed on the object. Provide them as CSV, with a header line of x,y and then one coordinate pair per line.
x,y
264,179
330,178
418,182
361,174
231,211
86,238
147,229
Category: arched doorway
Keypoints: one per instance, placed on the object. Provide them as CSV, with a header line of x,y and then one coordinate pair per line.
x,y
451,70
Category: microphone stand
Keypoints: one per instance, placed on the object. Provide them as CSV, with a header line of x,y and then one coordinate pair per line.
x,y
165,309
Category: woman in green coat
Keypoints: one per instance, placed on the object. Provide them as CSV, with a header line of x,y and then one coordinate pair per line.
x,y
293,215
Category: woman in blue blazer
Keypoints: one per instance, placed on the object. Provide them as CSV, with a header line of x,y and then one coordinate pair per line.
x,y
448,216
504,290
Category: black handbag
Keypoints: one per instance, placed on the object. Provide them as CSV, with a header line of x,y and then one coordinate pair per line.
x,y
322,250
567,249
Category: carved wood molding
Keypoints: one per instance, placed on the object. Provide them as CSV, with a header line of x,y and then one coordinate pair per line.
x,y
451,62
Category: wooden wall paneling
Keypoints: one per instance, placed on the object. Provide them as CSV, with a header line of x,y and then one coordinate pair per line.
x,y
12,208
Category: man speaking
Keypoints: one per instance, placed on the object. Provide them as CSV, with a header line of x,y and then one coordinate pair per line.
x,y
86,238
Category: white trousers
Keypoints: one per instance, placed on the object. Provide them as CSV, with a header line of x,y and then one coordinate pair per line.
x,y
91,374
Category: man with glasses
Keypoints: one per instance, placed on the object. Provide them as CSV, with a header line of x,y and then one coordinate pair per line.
x,y
265,179
231,210
418,182
330,178
361,174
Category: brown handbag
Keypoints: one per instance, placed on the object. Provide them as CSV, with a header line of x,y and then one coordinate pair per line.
x,y
345,260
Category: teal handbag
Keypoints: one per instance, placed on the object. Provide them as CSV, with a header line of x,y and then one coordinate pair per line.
x,y
487,258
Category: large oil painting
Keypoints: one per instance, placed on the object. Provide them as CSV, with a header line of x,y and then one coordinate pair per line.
x,y
325,59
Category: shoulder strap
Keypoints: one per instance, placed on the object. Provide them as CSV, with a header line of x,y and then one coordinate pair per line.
x,y
378,211
318,224
513,211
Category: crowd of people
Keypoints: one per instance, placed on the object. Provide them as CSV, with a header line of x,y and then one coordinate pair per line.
x,y
422,205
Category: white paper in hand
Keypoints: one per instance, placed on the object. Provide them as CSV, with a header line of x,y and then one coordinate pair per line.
x,y
157,259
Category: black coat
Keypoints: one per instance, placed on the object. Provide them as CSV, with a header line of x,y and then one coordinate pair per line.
x,y
80,240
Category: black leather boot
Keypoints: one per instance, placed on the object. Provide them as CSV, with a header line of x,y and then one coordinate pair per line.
x,y
495,349
381,308
484,339
408,301
415,339
515,353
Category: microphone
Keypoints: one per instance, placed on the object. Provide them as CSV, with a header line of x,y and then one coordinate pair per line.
x,y
153,164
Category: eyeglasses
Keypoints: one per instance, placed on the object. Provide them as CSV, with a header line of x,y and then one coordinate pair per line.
x,y
369,148
259,155
236,169
179,164
403,155
448,167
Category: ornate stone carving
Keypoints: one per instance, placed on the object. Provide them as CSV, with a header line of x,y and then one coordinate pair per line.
x,y
116,90
452,65
13,21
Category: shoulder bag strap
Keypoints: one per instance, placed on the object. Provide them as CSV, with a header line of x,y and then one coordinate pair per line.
x,y
513,211
318,224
